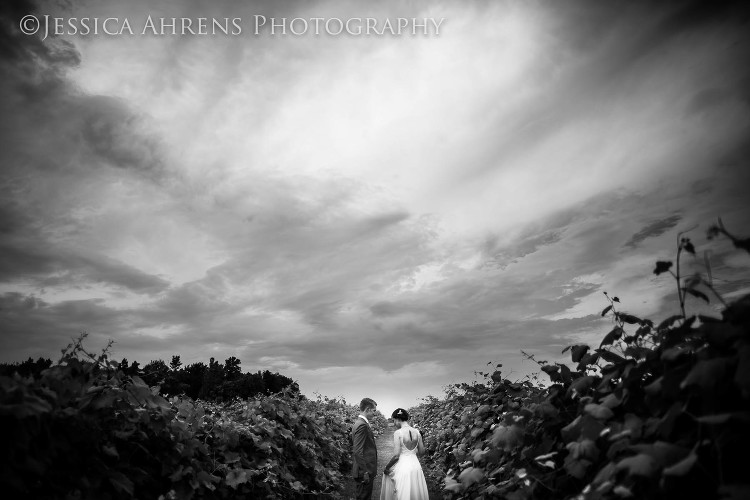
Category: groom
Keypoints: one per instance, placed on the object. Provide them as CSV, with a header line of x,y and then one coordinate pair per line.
x,y
365,454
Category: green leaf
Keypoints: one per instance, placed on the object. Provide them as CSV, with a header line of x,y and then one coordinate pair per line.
x,y
585,448
654,388
121,482
643,330
615,334
599,412
577,352
236,477
507,438
683,467
565,374
707,373
662,267
610,356
605,473
629,319
553,372
611,401
111,451
638,465
674,353
663,453
622,491
589,359
471,475
696,293
668,322
688,246
550,368
637,352
606,309
452,485
581,385
577,467
722,418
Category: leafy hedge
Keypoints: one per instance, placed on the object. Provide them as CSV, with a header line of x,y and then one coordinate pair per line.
x,y
87,430
655,411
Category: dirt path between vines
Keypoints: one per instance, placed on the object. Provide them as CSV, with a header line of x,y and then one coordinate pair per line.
x,y
384,443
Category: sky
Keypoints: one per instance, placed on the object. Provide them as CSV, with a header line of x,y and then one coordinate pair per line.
x,y
373,215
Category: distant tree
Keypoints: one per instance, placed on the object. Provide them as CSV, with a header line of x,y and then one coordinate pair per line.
x,y
232,370
155,372
192,376
175,364
248,385
198,380
274,382
212,380
28,368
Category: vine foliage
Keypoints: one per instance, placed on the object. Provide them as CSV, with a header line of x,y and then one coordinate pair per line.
x,y
87,430
653,411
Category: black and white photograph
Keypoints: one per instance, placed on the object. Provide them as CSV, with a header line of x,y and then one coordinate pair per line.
x,y
392,249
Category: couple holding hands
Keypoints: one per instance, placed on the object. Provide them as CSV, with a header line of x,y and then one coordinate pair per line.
x,y
403,478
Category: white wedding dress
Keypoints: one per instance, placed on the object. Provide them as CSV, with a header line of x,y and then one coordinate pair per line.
x,y
406,481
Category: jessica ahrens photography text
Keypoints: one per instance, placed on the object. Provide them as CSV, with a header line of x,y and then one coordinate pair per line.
x,y
46,25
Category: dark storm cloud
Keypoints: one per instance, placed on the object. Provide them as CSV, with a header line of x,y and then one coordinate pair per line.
x,y
115,135
50,125
196,304
57,145
31,325
19,48
35,263
655,228
29,254
525,245
707,99
588,223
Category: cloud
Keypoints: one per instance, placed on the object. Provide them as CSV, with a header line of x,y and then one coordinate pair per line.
x,y
34,327
655,228
51,268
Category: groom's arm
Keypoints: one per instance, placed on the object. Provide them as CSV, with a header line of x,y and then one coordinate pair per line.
x,y
358,447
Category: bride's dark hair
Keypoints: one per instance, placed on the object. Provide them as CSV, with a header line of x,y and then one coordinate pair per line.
x,y
400,414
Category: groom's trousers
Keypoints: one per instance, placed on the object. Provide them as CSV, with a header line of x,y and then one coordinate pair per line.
x,y
364,491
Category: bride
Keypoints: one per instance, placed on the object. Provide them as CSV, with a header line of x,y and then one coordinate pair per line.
x,y
403,478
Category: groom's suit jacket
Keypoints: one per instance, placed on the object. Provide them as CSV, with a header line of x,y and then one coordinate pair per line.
x,y
364,451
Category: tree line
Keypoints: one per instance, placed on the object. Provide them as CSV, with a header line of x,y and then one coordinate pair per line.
x,y
214,381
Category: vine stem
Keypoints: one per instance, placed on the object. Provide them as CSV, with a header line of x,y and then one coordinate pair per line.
x,y
680,293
